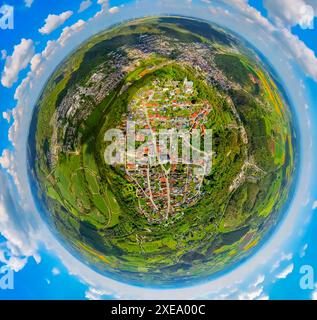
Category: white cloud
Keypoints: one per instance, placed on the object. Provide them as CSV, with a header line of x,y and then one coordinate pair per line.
x,y
284,257
251,295
305,56
35,62
287,271
96,294
7,115
7,162
68,32
291,12
21,57
114,10
53,21
28,3
255,290
91,294
6,159
314,207
56,271
15,226
303,251
84,5
3,54
260,279
50,48
103,3
104,8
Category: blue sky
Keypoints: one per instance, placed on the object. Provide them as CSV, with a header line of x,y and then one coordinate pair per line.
x,y
46,270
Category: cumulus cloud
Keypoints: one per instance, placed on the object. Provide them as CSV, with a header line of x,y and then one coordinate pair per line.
x,y
28,3
5,159
16,227
104,8
35,62
291,13
251,295
285,272
7,115
255,290
68,32
84,5
48,51
114,10
3,54
53,21
284,257
305,56
20,59
7,162
103,3
260,279
314,207
97,294
93,294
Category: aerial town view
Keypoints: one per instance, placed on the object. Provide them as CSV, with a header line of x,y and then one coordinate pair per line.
x,y
207,174
164,182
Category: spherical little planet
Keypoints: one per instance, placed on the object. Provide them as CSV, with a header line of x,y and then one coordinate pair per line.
x,y
162,151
